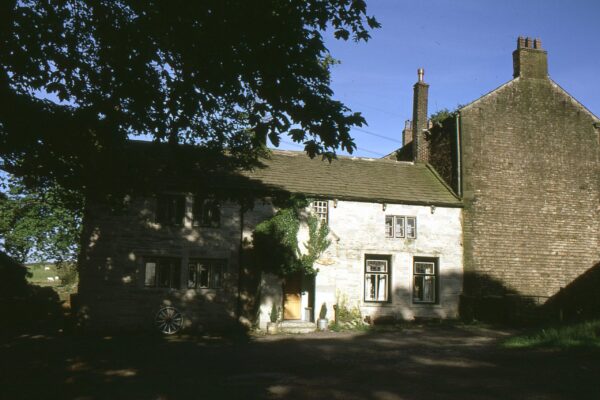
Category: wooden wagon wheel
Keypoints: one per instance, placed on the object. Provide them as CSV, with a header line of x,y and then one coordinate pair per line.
x,y
168,320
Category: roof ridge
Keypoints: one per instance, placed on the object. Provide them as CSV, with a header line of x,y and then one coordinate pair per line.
x,y
343,157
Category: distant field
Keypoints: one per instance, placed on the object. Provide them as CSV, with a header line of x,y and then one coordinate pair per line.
x,y
43,274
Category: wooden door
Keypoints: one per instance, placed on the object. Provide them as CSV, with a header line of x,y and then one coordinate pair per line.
x,y
292,297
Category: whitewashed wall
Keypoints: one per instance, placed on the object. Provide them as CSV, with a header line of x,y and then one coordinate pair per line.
x,y
360,230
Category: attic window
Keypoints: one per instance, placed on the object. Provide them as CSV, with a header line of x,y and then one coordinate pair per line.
x,y
400,226
320,209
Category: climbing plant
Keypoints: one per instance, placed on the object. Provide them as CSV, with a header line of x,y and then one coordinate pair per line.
x,y
275,240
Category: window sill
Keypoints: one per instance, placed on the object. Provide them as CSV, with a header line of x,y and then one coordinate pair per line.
x,y
427,305
377,304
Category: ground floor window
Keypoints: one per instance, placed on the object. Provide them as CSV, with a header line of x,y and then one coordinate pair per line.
x,y
377,278
163,273
425,280
205,274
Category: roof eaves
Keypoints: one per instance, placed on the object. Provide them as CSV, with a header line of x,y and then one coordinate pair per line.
x,y
512,81
574,100
441,180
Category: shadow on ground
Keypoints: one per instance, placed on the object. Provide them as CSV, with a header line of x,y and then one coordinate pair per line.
x,y
430,361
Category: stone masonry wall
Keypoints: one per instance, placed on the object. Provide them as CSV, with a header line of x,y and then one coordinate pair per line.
x,y
358,229
531,190
116,245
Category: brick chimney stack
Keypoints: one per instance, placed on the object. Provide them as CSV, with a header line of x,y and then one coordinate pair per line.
x,y
419,121
529,59
407,133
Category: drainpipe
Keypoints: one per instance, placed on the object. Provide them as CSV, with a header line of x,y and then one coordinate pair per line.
x,y
458,157
240,264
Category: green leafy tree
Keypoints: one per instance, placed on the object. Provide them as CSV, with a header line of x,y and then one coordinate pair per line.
x,y
275,240
77,78
38,226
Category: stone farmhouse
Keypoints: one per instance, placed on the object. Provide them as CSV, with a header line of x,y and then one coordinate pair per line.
x,y
524,159
492,207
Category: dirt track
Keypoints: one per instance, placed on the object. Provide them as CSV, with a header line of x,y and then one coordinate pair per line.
x,y
430,362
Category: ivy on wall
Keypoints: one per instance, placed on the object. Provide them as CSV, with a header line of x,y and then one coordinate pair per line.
x,y
276,246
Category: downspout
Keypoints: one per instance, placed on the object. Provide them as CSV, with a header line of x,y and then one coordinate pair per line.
x,y
458,157
240,264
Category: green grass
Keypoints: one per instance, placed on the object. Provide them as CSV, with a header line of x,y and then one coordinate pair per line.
x,y
583,334
40,275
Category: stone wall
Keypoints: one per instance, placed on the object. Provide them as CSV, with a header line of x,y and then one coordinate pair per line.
x,y
358,229
531,190
112,266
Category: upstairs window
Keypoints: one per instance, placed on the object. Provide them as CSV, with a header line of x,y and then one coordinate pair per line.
x,y
320,210
163,273
399,226
425,283
207,212
170,209
205,274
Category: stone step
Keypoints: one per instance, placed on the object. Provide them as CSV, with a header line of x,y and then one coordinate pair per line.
x,y
297,326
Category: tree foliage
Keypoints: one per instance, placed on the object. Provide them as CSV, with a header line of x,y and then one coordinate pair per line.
x,y
275,240
39,225
217,73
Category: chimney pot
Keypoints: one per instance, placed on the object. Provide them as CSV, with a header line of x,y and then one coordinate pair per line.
x,y
419,121
529,59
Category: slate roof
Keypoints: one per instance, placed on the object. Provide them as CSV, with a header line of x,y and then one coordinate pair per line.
x,y
351,178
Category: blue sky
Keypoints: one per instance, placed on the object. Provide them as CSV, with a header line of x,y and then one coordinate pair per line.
x,y
466,50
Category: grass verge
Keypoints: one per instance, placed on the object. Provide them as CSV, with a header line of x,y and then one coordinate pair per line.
x,y
579,335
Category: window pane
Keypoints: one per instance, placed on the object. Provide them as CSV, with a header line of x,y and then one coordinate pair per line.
x,y
217,271
418,289
203,271
376,266
150,278
192,275
175,274
411,227
370,290
389,222
382,287
211,215
429,289
399,228
424,268
163,275
170,209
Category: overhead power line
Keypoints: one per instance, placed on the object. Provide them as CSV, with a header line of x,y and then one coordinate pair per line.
x,y
378,135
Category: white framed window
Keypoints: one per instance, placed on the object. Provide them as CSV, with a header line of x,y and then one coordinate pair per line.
x,y
162,273
425,280
205,274
377,278
321,210
400,226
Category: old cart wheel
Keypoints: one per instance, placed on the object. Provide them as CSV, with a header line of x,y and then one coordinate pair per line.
x,y
168,320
